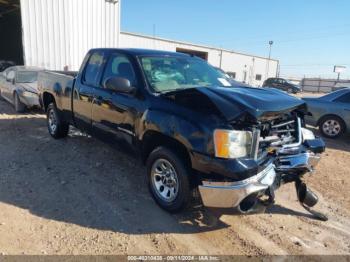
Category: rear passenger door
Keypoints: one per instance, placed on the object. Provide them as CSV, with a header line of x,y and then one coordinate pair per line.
x,y
85,88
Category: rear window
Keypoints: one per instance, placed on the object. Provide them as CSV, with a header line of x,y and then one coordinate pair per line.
x,y
344,98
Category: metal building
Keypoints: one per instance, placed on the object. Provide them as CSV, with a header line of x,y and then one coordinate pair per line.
x,y
246,68
56,34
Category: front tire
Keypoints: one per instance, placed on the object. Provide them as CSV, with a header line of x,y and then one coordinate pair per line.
x,y
168,180
19,106
57,128
332,126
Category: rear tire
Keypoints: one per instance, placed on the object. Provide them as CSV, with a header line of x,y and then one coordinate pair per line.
x,y
57,128
19,106
168,180
332,126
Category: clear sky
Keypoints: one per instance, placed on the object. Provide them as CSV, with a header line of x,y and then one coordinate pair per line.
x,y
310,36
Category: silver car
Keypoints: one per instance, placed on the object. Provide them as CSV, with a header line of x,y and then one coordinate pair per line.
x,y
18,85
331,113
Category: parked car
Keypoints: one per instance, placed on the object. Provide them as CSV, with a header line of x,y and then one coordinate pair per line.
x,y
6,64
18,85
282,84
191,129
331,113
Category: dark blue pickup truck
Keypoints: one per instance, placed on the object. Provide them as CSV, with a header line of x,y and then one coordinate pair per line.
x,y
189,125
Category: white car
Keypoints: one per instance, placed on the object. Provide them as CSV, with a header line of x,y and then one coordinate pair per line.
x,y
18,85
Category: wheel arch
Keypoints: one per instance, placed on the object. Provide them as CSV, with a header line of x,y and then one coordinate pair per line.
x,y
48,98
153,139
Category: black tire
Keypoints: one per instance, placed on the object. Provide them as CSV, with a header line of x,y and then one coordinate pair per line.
x,y
183,194
19,106
336,126
290,90
57,128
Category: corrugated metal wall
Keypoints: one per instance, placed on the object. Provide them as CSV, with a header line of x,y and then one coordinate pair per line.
x,y
58,33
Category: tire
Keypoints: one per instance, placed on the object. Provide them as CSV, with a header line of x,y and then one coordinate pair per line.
x,y
332,126
19,106
290,90
173,177
57,128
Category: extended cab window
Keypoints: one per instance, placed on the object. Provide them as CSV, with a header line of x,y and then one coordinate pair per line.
x,y
119,66
93,69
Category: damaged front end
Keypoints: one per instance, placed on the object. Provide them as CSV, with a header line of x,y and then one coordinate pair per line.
x,y
288,152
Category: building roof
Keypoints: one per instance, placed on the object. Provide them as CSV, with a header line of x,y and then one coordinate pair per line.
x,y
27,68
140,51
196,45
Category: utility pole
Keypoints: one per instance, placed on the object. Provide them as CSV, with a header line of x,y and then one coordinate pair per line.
x,y
154,36
268,61
221,59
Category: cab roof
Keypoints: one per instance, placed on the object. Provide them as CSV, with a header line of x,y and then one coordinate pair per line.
x,y
142,52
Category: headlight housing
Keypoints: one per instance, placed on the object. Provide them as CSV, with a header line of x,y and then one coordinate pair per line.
x,y
307,134
29,94
231,144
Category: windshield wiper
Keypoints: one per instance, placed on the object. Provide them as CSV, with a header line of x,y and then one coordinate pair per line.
x,y
173,91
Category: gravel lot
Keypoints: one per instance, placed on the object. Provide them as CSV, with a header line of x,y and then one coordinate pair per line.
x,y
80,196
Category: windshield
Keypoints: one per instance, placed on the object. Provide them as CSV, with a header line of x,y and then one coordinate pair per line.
x,y
166,74
27,77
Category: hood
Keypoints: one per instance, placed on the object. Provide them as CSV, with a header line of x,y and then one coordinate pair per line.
x,y
30,87
235,102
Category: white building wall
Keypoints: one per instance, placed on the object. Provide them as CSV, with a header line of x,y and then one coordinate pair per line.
x,y
58,33
230,62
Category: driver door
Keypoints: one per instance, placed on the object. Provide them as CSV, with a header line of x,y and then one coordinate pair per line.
x,y
113,113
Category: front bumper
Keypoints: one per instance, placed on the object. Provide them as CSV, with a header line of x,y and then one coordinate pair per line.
x,y
231,194
285,168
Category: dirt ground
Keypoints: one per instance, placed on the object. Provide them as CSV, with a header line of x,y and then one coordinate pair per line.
x,y
80,196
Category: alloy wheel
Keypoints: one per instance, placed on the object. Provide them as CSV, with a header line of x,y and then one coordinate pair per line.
x,y
52,122
331,127
164,180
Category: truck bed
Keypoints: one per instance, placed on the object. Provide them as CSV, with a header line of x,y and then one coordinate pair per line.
x,y
58,84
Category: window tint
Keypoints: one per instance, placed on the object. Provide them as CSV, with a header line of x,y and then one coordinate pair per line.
x,y
258,77
344,98
120,66
93,69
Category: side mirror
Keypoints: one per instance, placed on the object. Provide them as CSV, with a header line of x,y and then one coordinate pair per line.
x,y
118,84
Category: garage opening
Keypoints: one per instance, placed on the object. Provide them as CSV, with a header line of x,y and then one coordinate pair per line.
x,y
203,55
11,47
